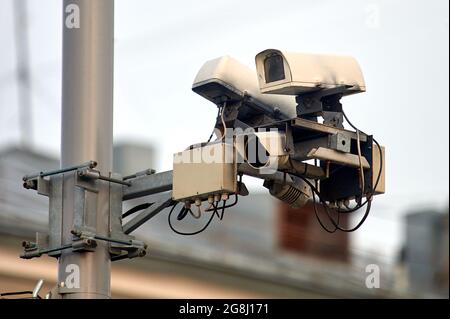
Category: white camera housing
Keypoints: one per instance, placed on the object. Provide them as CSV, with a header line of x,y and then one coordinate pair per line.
x,y
225,78
299,73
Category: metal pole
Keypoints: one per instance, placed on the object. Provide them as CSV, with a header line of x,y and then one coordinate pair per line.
x,y
87,130
23,73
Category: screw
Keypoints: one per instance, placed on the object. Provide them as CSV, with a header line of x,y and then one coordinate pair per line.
x,y
75,232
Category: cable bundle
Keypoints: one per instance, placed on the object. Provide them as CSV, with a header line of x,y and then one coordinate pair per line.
x,y
214,208
367,202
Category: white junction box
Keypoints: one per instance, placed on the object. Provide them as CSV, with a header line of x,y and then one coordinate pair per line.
x,y
204,171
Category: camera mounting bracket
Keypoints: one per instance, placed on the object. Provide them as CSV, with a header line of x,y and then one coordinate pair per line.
x,y
325,103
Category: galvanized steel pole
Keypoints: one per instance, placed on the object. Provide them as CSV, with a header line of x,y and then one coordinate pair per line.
x,y
86,131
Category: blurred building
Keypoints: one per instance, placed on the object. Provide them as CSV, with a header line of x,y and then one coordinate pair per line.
x,y
299,231
426,252
260,249
20,209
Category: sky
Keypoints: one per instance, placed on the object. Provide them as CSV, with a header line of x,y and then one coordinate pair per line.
x,y
402,47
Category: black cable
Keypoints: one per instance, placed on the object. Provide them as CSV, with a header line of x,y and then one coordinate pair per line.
x,y
367,202
327,208
182,214
16,293
227,206
315,205
136,209
379,150
223,209
318,218
196,216
215,209
214,129
372,193
193,233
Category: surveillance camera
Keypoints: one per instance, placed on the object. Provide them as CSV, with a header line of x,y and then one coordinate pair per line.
x,y
299,73
296,194
303,87
226,79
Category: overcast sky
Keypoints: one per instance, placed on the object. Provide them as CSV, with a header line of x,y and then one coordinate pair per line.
x,y
402,47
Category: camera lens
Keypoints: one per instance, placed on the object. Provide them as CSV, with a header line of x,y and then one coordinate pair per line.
x,y
274,68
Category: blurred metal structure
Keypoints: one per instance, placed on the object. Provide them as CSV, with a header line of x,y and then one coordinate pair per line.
x,y
34,293
23,72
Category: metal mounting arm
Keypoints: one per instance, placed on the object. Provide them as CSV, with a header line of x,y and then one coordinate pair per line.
x,y
153,210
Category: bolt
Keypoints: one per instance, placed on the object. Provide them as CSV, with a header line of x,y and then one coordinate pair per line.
x,y
25,244
276,111
75,232
29,184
